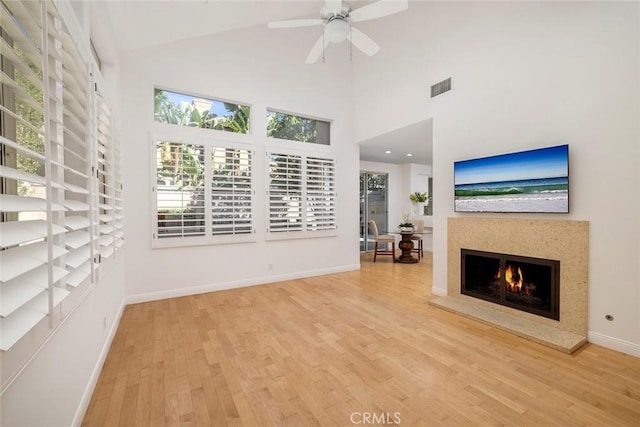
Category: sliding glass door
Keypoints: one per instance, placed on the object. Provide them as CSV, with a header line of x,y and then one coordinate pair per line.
x,y
373,206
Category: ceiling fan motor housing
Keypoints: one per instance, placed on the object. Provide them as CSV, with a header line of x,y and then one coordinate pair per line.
x,y
330,13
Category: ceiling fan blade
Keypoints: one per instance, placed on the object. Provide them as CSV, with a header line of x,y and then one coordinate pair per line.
x,y
363,42
316,50
294,23
378,10
333,6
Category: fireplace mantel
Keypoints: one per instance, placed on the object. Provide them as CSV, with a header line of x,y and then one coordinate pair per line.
x,y
563,240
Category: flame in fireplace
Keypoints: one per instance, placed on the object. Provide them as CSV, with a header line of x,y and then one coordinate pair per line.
x,y
514,279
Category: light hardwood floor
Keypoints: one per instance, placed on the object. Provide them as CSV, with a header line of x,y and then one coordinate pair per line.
x,y
346,348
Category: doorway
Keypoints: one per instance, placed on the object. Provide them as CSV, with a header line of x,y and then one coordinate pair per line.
x,y
373,206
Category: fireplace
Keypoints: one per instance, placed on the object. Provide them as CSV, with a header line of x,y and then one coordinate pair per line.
x,y
524,283
566,241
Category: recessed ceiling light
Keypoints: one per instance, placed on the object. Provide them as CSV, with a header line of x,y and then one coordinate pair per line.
x,y
409,155
387,152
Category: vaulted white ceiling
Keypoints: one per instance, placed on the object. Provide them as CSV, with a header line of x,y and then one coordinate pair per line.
x,y
137,24
143,23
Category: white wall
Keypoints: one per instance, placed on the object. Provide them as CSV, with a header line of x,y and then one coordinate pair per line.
x,y
55,387
249,66
526,75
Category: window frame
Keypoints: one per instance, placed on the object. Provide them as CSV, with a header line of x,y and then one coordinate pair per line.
x,y
221,133
301,115
208,143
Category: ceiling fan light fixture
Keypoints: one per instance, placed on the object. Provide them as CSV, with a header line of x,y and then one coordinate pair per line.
x,y
337,30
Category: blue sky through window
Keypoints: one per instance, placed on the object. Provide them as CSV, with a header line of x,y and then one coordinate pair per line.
x,y
217,107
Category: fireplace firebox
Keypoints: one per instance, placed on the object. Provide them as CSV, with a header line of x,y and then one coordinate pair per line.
x,y
524,283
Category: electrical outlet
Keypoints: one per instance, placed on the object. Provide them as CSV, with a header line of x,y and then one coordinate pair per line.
x,y
270,267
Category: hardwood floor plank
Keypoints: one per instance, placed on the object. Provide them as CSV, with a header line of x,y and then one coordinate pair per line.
x,y
116,401
322,350
129,405
172,410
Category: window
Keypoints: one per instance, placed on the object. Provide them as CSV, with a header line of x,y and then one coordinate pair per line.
x,y
71,134
49,230
180,189
231,191
285,193
26,207
204,193
297,128
189,110
302,194
321,194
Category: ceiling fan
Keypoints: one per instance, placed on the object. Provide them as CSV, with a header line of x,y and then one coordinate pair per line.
x,y
337,17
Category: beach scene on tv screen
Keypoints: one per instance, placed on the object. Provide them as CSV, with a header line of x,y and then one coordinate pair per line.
x,y
527,181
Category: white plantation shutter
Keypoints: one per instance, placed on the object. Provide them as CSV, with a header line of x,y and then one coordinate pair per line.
x,y
321,194
106,181
285,192
48,193
204,193
180,191
302,194
231,191
74,142
118,195
30,237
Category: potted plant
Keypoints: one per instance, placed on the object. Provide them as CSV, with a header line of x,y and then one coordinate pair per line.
x,y
418,197
405,225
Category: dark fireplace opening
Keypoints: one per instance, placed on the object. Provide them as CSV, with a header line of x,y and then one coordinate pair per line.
x,y
524,283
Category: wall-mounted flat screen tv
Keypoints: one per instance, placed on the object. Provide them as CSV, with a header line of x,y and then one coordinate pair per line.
x,y
526,181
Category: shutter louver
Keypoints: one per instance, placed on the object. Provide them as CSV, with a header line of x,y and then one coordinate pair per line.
x,y
285,192
231,191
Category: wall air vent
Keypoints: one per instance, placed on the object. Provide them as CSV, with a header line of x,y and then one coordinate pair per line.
x,y
441,87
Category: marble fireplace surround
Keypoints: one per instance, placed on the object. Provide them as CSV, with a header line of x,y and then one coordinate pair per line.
x,y
563,240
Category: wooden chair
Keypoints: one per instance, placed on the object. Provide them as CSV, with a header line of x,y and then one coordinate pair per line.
x,y
418,225
385,239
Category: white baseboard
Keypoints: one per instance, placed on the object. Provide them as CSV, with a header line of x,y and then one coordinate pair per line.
x,y
95,375
441,292
194,290
617,344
